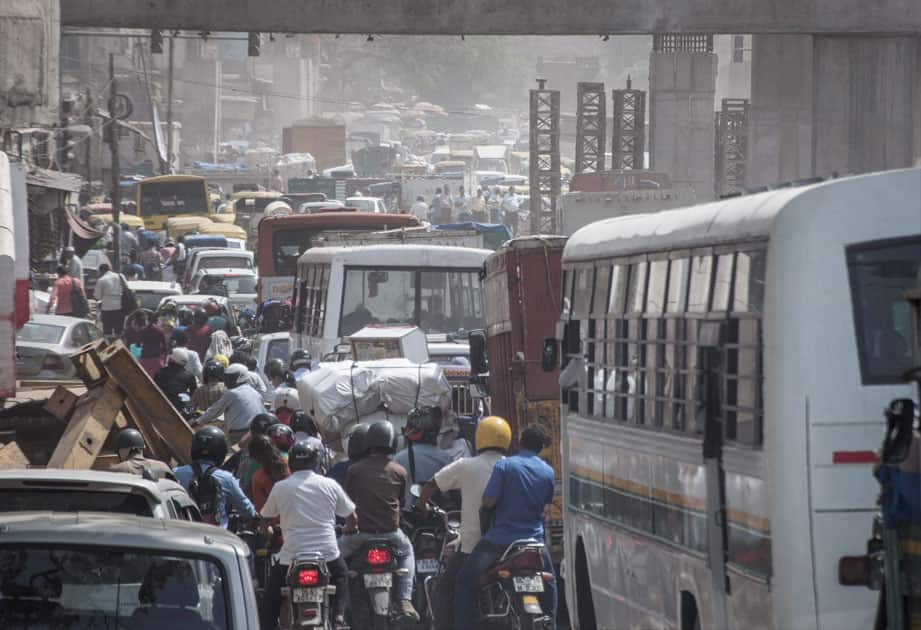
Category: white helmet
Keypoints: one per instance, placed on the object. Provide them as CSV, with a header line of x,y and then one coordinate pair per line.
x,y
286,397
235,374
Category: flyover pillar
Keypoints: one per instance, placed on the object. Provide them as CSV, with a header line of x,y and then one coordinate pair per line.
x,y
833,104
682,83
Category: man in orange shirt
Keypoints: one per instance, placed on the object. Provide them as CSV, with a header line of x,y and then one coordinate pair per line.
x,y
61,293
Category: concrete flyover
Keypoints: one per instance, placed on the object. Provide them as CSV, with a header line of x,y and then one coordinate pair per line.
x,y
503,17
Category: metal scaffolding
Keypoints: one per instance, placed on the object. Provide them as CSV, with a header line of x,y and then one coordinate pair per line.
x,y
674,42
590,127
731,146
545,159
629,131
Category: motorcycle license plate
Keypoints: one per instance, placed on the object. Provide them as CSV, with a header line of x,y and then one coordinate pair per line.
x,y
528,584
305,595
378,580
427,565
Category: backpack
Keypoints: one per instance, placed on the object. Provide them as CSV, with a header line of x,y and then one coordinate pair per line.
x,y
129,300
81,307
206,491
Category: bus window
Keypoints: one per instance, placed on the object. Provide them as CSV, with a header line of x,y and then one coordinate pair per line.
x,y
699,296
172,198
880,273
450,301
722,283
288,245
748,293
371,296
678,286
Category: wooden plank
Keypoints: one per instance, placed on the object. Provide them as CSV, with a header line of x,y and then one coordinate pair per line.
x,y
89,426
104,462
61,403
89,364
11,456
157,447
150,407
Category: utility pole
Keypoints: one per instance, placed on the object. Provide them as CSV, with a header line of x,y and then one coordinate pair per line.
x,y
115,194
169,106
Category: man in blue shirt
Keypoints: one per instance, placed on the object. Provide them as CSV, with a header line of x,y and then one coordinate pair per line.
x,y
518,490
209,448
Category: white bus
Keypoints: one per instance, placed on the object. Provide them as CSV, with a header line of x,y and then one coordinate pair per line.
x,y
731,509
340,290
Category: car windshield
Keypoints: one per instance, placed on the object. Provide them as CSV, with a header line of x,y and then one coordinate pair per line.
x,y
239,284
100,588
226,262
41,333
72,500
365,205
278,349
149,299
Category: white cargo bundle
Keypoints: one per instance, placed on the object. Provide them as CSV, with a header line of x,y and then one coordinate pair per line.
x,y
340,394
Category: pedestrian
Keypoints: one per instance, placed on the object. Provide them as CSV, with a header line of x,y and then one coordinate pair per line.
x,y
168,258
420,209
129,446
435,207
447,203
461,205
128,242
63,292
108,294
510,205
151,262
154,346
199,334
478,207
216,319
73,263
132,272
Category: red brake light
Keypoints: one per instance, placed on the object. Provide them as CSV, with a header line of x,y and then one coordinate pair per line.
x,y
308,577
378,557
529,559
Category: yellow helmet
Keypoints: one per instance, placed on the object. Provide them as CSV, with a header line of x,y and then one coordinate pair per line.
x,y
220,358
493,432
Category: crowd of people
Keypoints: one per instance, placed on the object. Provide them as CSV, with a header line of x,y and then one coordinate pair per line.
x,y
282,474
488,205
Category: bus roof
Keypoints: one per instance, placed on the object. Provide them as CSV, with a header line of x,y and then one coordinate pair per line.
x,y
746,218
334,220
171,178
398,256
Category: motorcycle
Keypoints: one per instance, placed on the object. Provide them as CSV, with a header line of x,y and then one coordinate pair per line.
x,y
371,575
508,595
309,593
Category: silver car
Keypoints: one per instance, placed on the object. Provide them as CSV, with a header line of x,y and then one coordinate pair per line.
x,y
46,343
102,571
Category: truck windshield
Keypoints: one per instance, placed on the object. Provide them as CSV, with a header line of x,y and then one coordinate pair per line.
x,y
880,274
96,588
173,198
436,300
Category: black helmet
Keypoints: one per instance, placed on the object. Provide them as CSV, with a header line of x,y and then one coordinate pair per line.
x,y
275,368
209,443
303,456
423,424
356,446
213,371
300,421
381,435
129,438
261,423
299,359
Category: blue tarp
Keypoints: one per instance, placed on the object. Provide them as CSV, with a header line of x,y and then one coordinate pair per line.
x,y
211,166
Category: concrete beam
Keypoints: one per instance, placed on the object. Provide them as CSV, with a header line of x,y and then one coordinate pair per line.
x,y
502,17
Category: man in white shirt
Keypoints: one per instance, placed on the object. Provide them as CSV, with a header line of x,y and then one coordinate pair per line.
x,y
73,263
469,475
108,294
306,505
420,208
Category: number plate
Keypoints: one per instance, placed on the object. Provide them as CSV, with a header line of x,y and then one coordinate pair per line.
x,y
528,584
304,595
427,565
378,580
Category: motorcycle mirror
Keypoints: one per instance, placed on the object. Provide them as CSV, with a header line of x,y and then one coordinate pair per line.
x,y
415,490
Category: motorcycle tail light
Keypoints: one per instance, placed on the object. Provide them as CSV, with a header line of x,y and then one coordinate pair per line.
x,y
308,577
528,559
377,557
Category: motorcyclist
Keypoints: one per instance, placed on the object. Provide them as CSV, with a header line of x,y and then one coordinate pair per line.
x,y
518,490
287,403
246,466
275,372
377,485
299,363
129,444
422,457
209,448
305,428
306,505
239,404
355,449
212,388
175,379
470,476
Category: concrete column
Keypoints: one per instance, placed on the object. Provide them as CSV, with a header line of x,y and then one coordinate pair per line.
x,y
681,129
833,104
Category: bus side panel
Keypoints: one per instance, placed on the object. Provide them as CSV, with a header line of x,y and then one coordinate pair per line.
x,y
541,272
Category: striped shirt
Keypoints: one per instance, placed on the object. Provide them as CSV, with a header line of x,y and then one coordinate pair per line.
x,y
207,395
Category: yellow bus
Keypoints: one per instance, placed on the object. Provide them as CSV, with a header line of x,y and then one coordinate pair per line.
x,y
159,198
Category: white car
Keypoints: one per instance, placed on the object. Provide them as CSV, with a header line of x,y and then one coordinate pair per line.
x,y
149,293
272,346
46,343
239,283
216,259
367,204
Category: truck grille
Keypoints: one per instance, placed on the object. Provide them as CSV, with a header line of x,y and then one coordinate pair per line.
x,y
462,402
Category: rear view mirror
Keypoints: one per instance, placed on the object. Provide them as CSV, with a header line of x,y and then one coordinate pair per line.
x,y
550,357
415,490
479,364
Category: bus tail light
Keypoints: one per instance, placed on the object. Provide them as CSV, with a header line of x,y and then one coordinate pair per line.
x,y
854,571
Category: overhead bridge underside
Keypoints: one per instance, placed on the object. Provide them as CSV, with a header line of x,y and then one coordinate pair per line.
x,y
503,17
